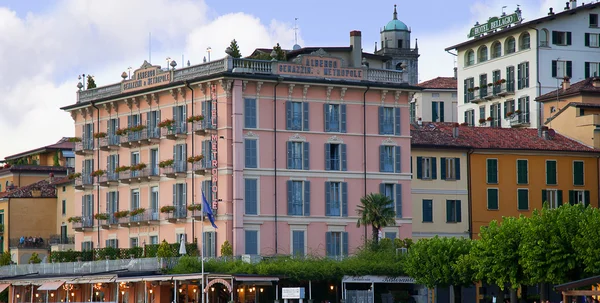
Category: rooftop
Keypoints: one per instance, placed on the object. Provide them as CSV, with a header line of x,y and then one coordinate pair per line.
x,y
439,83
62,181
582,87
46,189
290,54
62,144
34,168
441,135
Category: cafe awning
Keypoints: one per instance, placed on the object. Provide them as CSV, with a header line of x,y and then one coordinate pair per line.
x,y
51,285
4,286
255,279
187,277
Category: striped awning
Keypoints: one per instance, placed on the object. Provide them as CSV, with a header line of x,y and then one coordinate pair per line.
x,y
4,286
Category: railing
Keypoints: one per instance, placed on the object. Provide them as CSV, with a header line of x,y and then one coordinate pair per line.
x,y
180,211
28,242
97,93
254,66
519,119
384,75
86,221
199,165
178,128
58,239
205,69
179,166
507,88
148,215
152,132
109,176
85,144
110,140
84,180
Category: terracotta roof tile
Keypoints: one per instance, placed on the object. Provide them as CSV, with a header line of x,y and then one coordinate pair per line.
x,y
583,86
441,135
47,190
62,144
440,83
61,181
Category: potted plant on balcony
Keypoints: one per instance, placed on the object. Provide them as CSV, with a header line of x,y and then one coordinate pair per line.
x,y
137,128
509,114
194,207
121,131
75,139
101,216
193,119
166,163
195,159
518,111
121,214
481,121
137,211
139,166
470,89
167,209
502,80
122,169
98,173
166,123
74,219
74,176
476,88
489,118
490,84
464,124
99,135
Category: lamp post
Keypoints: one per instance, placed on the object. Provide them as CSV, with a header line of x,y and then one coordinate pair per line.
x,y
168,61
129,70
208,50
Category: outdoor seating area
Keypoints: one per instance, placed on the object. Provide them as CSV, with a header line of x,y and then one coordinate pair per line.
x,y
31,242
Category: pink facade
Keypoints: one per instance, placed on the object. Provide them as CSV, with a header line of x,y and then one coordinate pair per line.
x,y
316,225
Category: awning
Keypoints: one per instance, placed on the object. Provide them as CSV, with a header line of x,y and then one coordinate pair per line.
x,y
259,283
68,154
21,283
101,279
159,278
51,285
187,277
255,279
4,286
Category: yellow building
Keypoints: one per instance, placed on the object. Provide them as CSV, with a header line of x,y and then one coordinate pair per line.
x,y
65,205
574,110
439,188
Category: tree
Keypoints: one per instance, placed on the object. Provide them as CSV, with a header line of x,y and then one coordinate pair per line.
x,y
5,258
281,56
56,159
90,82
432,262
34,259
497,254
235,49
376,210
226,249
164,250
585,241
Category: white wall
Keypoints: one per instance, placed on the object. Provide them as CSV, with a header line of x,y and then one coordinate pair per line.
x,y
423,103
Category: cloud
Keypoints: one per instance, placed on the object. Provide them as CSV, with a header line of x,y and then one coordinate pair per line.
x,y
45,52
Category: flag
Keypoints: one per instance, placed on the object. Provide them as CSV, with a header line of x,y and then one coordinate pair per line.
x,y
208,211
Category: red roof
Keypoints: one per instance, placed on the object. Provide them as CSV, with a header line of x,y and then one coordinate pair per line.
x,y
61,181
439,83
62,144
47,190
441,135
581,87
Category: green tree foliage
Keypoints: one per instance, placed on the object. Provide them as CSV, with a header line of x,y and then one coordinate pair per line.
x,y
164,250
235,49
34,259
226,249
56,159
586,241
91,83
260,56
187,265
281,56
376,210
5,258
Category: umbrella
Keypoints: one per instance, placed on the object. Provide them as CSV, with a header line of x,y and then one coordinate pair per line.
x,y
182,250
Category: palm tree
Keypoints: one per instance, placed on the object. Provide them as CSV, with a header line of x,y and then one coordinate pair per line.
x,y
376,210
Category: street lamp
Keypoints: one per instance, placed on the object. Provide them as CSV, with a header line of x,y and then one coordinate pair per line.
x,y
168,61
129,69
208,50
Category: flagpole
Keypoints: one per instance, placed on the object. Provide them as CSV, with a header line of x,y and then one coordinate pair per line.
x,y
202,250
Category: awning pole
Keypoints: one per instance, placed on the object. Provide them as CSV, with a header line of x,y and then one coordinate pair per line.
x,y
145,292
310,289
46,296
175,292
32,286
92,292
12,294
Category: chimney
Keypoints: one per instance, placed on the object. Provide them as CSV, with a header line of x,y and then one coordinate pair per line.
x,y
573,3
596,82
455,131
550,13
356,43
566,83
455,73
567,6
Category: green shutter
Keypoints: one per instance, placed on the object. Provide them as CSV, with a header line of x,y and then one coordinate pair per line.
x,y
449,211
572,197
521,171
492,171
544,197
492,198
443,168
586,198
578,173
559,197
523,199
551,172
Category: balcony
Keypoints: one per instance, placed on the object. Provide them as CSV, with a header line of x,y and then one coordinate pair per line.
x,y
132,138
202,127
85,181
519,120
507,89
178,214
147,217
112,142
478,95
176,170
178,130
197,213
85,147
109,179
85,223
588,120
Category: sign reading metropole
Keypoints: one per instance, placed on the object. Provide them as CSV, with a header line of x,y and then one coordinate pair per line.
x,y
317,66
378,279
495,23
214,141
146,76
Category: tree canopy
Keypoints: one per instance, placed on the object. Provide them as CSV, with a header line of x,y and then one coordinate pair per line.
x,y
376,210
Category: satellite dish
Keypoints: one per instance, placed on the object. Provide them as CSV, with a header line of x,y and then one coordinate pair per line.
x,y
551,133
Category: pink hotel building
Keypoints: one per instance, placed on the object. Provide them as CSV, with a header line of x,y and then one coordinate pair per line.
x,y
284,153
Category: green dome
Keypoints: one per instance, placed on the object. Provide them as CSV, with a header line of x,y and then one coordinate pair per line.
x,y
396,25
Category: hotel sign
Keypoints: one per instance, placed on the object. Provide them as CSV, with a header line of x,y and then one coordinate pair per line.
x,y
495,23
317,66
214,141
378,279
146,76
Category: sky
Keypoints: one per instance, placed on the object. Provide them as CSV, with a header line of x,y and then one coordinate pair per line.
x,y
46,44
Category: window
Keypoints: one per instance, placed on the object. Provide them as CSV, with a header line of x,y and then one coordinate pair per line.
x,y
544,38
510,79
64,189
483,87
470,58
523,110
298,243
336,244
522,173
394,192
298,198
453,95
450,168
180,237
551,172
492,171
180,157
469,94
207,189
209,244
552,197
250,146
251,238
593,20
496,50
453,211
297,155
482,113
87,136
208,114
135,199
509,108
592,69
435,95
427,211
154,202
112,205
389,235
579,197
336,199
335,157
112,126
523,199
426,168
399,43
523,75
114,243
64,207
335,117
413,111
524,41
437,111
492,199
153,240
251,196
496,114
180,200
591,40
208,153
296,115
250,113
389,159
509,45
561,69
470,117
389,120
87,245
482,54
87,210
578,173
133,242
561,38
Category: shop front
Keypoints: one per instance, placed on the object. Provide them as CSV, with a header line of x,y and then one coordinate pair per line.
x,y
383,289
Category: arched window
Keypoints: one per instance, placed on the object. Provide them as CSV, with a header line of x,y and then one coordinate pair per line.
x,y
544,38
470,58
524,42
509,46
399,67
496,49
482,53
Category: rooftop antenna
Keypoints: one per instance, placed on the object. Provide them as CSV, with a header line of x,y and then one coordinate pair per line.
x,y
295,30
150,47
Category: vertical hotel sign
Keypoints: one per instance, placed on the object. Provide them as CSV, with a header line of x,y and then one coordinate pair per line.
x,y
214,141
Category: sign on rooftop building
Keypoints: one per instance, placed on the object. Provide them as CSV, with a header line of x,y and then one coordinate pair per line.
x,y
496,23
146,76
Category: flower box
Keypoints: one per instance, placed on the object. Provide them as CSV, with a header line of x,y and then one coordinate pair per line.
x,y
101,216
518,111
195,158
121,131
464,124
490,84
489,118
193,119
509,114
137,128
75,139
74,219
166,163
138,166
121,214
122,169
74,176
99,135
98,173
166,123
194,207
137,211
482,120
167,209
